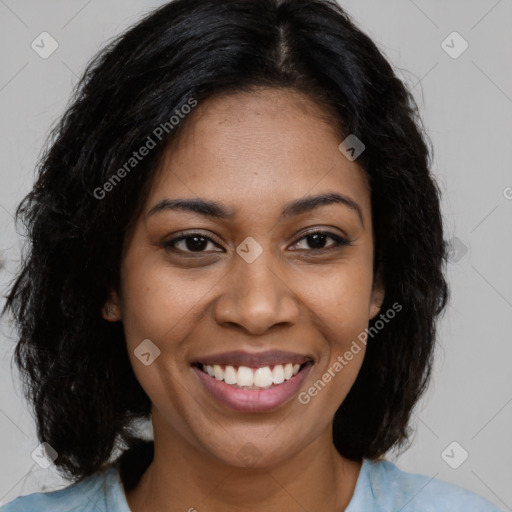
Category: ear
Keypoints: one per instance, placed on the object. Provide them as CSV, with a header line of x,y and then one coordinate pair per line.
x,y
377,297
111,310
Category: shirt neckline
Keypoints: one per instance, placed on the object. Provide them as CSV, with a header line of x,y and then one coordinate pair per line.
x,y
116,496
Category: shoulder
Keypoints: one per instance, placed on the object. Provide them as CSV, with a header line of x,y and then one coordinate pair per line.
x,y
395,489
91,494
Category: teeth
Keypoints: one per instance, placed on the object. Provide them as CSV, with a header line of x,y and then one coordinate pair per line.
x,y
263,377
278,374
230,376
253,378
245,376
217,371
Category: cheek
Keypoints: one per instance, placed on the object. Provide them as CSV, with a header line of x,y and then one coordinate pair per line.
x,y
340,303
157,303
158,306
340,299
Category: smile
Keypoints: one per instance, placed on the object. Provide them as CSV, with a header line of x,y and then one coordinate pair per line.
x,y
249,389
244,377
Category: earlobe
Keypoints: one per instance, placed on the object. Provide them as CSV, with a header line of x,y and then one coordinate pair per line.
x,y
111,310
377,299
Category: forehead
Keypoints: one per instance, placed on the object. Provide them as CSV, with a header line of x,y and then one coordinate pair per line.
x,y
263,147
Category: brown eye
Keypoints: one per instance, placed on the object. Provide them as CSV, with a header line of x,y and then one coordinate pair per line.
x,y
317,240
190,243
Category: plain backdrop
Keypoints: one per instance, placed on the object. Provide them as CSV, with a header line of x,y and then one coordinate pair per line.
x,y
465,100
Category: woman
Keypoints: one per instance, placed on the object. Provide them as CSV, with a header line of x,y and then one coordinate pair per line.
x,y
236,235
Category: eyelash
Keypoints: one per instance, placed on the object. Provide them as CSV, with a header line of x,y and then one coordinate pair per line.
x,y
338,242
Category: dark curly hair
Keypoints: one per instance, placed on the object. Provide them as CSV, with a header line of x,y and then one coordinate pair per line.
x,y
74,365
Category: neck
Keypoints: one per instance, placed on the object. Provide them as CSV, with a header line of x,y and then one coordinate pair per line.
x,y
181,477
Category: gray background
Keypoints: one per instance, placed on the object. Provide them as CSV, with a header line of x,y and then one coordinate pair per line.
x,y
466,104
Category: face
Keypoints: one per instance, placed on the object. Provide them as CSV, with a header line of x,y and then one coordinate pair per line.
x,y
257,281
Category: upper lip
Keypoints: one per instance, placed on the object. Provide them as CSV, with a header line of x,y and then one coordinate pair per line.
x,y
253,359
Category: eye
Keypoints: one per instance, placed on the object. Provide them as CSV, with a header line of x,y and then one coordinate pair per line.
x,y
190,243
198,242
317,240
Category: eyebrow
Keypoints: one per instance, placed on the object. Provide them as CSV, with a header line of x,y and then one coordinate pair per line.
x,y
218,211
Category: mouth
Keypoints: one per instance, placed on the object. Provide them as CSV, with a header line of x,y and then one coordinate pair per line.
x,y
259,385
245,377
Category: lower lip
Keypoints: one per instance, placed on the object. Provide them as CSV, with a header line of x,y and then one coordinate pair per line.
x,y
253,400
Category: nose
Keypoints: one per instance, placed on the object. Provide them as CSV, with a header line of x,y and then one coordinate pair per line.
x,y
256,297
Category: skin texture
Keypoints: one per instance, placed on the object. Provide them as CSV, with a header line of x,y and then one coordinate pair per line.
x,y
254,153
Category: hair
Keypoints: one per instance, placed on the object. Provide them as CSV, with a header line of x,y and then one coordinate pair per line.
x,y
74,364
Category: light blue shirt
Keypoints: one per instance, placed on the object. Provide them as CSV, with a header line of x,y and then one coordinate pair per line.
x,y
381,487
